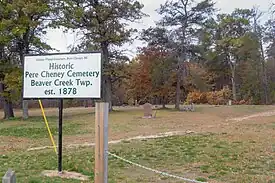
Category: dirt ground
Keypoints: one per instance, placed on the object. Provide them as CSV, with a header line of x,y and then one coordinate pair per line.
x,y
239,122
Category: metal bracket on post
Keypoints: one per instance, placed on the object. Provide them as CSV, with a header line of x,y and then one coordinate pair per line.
x,y
101,143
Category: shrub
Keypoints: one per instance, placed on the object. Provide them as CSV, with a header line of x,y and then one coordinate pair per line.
x,y
193,97
196,98
242,102
203,98
213,98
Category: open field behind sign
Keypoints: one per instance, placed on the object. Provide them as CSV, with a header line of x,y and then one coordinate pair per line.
x,y
216,149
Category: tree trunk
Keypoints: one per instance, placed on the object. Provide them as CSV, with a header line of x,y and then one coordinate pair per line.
x,y
86,103
163,102
177,105
264,77
266,94
106,80
233,80
181,60
25,108
25,103
8,109
265,83
25,49
232,64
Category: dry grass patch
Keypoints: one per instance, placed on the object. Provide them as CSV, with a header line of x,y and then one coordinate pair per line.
x,y
233,152
124,123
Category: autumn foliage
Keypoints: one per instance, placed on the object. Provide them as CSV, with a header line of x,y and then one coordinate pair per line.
x,y
150,76
213,98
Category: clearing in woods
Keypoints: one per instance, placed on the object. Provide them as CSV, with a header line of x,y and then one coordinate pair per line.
x,y
227,144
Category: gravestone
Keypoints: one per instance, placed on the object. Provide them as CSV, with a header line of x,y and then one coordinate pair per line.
x,y
9,177
148,111
189,108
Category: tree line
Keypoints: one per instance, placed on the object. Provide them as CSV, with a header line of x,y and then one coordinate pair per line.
x,y
193,48
195,54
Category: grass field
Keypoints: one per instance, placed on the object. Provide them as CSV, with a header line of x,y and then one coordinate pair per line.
x,y
219,149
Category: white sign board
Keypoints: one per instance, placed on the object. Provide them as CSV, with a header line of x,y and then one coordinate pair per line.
x,y
62,76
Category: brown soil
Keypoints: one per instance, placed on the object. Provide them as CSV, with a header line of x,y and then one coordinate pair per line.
x,y
65,175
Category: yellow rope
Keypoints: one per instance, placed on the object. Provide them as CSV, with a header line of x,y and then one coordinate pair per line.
x,y
47,125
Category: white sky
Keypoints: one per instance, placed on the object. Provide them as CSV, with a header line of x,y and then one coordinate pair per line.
x,y
60,41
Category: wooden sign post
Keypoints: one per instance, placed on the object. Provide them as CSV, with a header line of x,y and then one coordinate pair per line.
x,y
101,142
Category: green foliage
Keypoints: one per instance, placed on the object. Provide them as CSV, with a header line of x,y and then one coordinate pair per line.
x,y
25,23
269,37
234,45
22,25
222,49
198,77
13,83
102,21
185,18
103,25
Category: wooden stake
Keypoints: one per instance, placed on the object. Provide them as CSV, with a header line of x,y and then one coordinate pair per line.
x,y
101,143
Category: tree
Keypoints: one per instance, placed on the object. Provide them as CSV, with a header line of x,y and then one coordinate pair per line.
x,y
28,21
159,52
233,40
185,18
272,8
161,68
102,22
259,33
6,57
5,94
198,77
269,38
32,17
139,85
